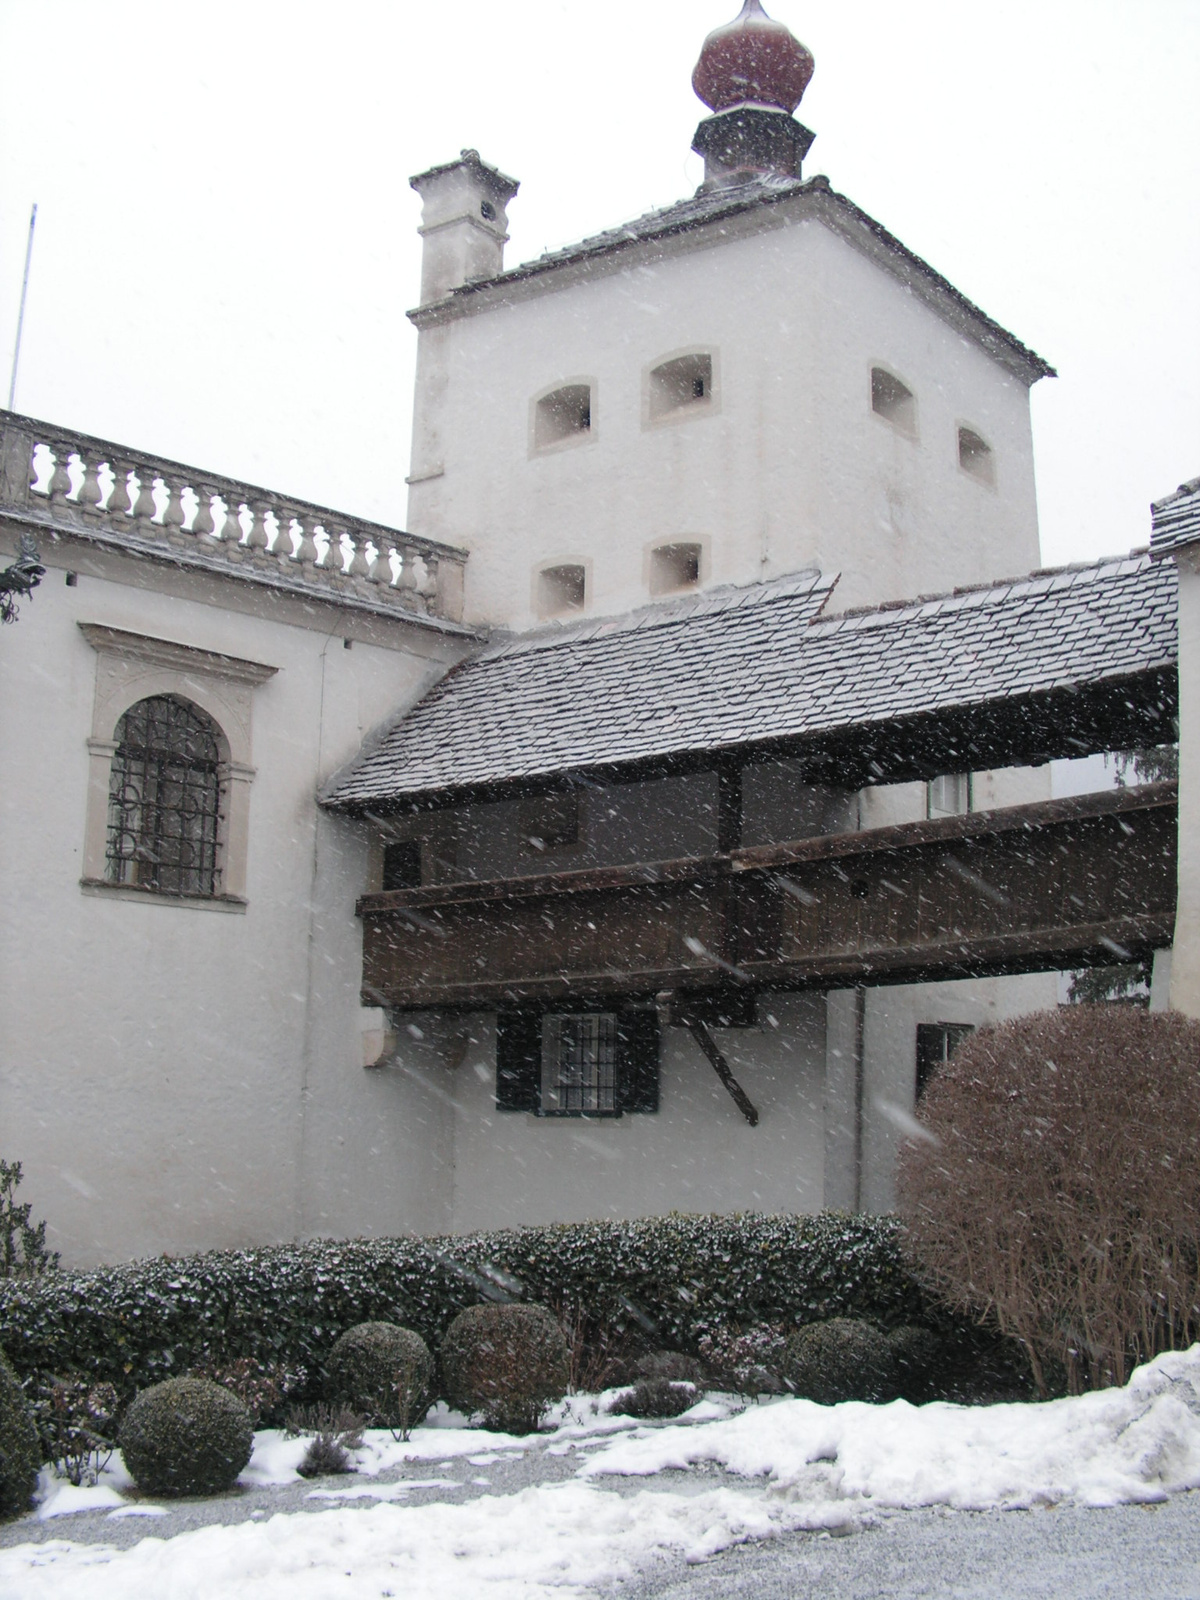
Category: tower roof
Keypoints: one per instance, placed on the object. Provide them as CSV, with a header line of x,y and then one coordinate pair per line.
x,y
752,61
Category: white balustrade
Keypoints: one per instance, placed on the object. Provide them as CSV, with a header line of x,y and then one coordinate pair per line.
x,y
87,485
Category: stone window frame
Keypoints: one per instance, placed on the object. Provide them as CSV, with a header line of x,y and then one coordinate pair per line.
x,y
132,667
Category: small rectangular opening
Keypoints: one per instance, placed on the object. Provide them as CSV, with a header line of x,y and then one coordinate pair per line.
x,y
402,864
975,456
680,384
893,400
561,590
936,1043
565,414
673,567
949,795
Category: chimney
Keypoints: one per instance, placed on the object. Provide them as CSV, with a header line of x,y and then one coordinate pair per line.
x,y
463,223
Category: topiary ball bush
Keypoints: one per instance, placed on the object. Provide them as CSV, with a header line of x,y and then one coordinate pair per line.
x,y
20,1451
507,1362
917,1355
186,1436
839,1360
383,1372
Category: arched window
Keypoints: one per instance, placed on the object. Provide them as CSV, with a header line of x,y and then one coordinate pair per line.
x,y
164,809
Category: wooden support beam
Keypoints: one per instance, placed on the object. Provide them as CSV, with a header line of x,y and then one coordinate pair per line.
x,y
721,1067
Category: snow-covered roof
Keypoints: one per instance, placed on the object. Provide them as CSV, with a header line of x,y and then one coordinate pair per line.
x,y
813,196
761,668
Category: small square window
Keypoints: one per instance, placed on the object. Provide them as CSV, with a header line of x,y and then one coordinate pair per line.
x,y
949,795
936,1043
566,414
680,385
561,590
549,821
402,864
674,566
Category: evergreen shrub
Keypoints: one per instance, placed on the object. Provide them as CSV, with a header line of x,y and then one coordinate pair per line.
x,y
842,1359
655,1397
186,1436
1058,1197
383,1372
507,1362
917,1357
671,1281
20,1450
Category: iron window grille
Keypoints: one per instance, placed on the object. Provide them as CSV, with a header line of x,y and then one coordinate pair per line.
x,y
579,1063
164,814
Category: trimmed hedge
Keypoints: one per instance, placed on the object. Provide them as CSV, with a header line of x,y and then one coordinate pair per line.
x,y
843,1359
669,1279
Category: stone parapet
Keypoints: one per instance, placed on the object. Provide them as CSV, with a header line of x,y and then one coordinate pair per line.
x,y
113,495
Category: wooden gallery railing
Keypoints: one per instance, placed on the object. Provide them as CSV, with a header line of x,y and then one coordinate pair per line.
x,y
69,483
1055,885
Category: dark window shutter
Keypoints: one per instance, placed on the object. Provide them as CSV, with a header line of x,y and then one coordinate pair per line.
x,y
637,1034
518,1060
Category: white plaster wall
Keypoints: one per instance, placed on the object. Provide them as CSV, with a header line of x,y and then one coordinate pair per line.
x,y
1185,961
788,467
159,1079
697,1153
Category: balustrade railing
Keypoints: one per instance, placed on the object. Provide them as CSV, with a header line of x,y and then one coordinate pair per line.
x,y
95,488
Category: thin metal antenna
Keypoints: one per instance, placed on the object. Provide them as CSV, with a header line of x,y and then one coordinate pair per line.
x,y
12,382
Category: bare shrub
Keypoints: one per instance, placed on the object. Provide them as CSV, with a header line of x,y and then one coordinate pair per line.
x,y
261,1386
1061,1201
77,1422
326,1455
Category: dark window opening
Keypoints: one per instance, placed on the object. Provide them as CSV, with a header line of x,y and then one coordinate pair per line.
x,y
561,590
975,456
674,566
577,1062
936,1043
893,400
402,864
549,821
565,414
680,384
164,811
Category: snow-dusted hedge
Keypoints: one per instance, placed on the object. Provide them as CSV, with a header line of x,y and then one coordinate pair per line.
x,y
675,1278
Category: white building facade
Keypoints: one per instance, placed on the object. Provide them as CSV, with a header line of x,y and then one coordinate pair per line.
x,y
757,383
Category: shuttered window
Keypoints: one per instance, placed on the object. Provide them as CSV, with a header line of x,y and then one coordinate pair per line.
x,y
582,1062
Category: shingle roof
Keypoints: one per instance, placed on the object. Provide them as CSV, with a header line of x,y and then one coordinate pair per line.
x,y
701,209
738,668
1176,519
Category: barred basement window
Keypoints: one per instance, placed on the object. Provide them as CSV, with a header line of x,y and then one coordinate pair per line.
x,y
164,811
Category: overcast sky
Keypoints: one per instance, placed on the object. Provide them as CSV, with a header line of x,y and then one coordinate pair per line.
x,y
226,241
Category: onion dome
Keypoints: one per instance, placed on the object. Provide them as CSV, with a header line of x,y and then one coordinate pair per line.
x,y
752,61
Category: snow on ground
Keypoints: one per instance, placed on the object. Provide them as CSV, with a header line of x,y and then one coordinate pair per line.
x,y
802,1466
1113,1447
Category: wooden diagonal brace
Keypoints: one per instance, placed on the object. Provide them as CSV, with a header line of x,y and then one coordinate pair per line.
x,y
721,1067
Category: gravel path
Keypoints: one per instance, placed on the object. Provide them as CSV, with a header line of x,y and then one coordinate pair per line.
x,y
1147,1552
